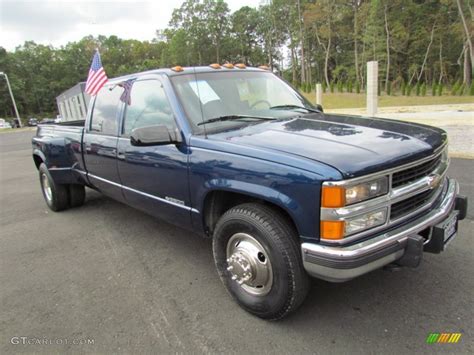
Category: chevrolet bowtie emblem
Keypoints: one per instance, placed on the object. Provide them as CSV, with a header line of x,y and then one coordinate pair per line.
x,y
434,180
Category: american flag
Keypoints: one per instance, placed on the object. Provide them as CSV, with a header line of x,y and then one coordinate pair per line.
x,y
127,88
97,77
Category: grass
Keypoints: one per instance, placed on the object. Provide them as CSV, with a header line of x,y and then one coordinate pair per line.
x,y
346,100
11,130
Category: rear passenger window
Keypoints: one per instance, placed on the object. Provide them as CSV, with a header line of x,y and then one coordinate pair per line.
x,y
104,116
148,107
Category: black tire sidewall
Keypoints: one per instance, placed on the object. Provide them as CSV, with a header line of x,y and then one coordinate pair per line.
x,y
77,195
275,300
58,192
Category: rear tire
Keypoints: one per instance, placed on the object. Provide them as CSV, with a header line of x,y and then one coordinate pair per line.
x,y
55,195
77,195
257,256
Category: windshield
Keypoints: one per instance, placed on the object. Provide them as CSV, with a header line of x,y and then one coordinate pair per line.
x,y
206,96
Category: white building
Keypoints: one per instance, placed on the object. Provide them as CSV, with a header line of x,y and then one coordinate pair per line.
x,y
73,103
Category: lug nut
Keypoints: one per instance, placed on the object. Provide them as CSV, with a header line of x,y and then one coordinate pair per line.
x,y
234,277
230,267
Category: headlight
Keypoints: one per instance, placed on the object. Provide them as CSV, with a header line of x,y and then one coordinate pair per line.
x,y
339,229
366,221
366,190
340,196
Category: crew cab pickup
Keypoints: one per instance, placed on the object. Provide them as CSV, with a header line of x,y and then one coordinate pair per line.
x,y
284,190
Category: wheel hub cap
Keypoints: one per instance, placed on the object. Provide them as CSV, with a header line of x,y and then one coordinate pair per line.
x,y
46,187
249,264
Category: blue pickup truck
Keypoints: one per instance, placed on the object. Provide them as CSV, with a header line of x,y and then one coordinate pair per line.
x,y
284,191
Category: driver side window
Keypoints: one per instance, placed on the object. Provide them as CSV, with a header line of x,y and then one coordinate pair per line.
x,y
149,106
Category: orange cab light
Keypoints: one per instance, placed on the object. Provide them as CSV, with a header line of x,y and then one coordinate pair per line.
x,y
240,66
177,68
228,65
215,66
264,67
332,229
333,196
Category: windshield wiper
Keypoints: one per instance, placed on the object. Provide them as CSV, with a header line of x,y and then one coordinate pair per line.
x,y
284,107
234,117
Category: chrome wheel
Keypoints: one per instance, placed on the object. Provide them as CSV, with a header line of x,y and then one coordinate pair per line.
x,y
249,264
46,187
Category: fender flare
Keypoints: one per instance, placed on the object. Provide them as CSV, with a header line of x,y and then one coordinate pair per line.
x,y
40,154
286,203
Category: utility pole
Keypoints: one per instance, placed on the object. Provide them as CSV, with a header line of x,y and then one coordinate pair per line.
x,y
13,99
372,87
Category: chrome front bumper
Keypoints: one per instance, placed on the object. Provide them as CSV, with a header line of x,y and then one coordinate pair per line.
x,y
339,263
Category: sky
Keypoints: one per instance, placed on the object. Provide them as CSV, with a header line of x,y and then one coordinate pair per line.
x,y
58,22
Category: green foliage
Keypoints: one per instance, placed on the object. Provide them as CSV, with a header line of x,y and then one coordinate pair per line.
x,y
324,86
418,89
423,89
471,89
340,86
440,89
389,88
201,32
461,89
433,89
455,88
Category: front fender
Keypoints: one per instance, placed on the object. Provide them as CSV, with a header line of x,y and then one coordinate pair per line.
x,y
292,207
294,190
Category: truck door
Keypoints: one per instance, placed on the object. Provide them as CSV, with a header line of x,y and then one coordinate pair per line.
x,y
154,178
100,142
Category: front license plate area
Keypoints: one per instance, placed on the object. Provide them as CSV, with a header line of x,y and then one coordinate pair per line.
x,y
450,228
442,234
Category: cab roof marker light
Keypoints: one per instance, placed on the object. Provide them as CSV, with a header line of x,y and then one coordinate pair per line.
x,y
264,67
177,68
240,66
215,66
228,66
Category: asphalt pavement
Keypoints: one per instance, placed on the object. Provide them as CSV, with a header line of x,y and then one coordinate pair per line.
x,y
106,278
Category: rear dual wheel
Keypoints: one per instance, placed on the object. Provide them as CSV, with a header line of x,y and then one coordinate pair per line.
x,y
258,259
58,197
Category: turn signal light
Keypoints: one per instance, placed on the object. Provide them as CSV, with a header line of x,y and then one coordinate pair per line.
x,y
333,196
332,229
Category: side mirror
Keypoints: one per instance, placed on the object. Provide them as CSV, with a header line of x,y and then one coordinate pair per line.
x,y
154,135
319,107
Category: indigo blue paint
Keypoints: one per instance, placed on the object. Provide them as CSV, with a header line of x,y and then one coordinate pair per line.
x,y
283,162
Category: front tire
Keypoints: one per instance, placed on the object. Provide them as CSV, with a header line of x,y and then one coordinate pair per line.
x,y
55,195
258,259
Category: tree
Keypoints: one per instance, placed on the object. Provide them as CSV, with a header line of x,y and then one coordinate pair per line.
x,y
467,33
321,17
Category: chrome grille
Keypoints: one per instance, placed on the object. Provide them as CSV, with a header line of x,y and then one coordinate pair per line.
x,y
414,188
409,205
412,174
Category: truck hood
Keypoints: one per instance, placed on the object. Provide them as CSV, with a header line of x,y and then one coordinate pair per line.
x,y
353,145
